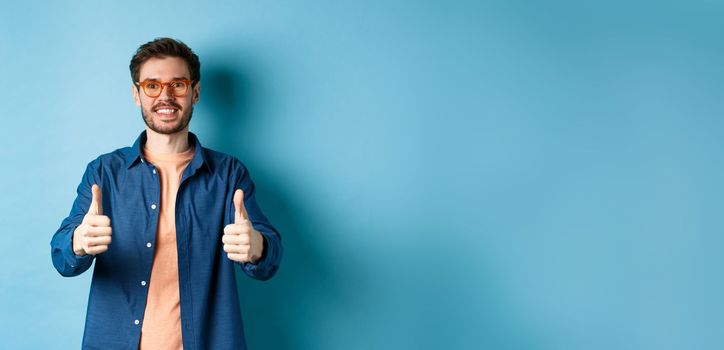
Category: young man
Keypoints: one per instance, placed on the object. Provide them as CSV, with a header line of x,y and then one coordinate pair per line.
x,y
166,220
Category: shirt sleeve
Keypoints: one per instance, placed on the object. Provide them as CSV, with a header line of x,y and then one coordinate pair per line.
x,y
269,262
61,245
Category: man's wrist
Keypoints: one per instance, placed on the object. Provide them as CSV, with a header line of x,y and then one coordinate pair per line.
x,y
77,248
258,255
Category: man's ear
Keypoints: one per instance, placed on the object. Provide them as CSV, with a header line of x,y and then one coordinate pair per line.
x,y
196,92
136,98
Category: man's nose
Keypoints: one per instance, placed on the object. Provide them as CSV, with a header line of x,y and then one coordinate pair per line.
x,y
167,93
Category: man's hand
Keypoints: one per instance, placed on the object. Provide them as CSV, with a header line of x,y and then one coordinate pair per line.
x,y
241,242
93,235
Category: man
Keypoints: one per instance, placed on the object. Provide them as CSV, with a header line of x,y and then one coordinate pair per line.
x,y
166,220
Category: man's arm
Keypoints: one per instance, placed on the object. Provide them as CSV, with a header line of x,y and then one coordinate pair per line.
x,y
64,259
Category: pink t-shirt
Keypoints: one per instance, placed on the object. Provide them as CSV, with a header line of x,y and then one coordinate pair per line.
x,y
162,318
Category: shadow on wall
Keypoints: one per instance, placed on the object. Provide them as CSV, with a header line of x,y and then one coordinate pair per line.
x,y
275,312
436,305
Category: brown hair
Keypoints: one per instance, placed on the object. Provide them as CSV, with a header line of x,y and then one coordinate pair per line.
x,y
165,47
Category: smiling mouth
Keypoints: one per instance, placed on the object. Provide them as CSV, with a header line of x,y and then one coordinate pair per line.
x,y
166,112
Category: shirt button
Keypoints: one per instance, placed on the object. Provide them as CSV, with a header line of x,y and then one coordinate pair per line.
x,y
153,206
154,171
136,322
148,244
143,283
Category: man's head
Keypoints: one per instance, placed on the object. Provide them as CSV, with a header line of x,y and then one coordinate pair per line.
x,y
166,76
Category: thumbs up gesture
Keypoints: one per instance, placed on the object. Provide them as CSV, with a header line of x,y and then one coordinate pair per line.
x,y
93,235
241,242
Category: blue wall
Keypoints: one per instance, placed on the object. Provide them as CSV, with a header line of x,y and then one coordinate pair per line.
x,y
463,175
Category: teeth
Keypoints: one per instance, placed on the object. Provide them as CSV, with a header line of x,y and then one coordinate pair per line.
x,y
165,111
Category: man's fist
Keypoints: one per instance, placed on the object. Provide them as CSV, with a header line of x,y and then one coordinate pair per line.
x,y
241,242
94,234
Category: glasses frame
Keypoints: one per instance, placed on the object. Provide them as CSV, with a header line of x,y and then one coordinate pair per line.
x,y
143,84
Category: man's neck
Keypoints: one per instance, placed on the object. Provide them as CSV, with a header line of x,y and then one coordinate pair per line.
x,y
166,144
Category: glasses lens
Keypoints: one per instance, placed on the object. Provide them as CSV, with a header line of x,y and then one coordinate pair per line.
x,y
152,88
179,87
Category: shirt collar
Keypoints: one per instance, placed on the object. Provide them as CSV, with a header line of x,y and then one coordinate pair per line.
x,y
199,160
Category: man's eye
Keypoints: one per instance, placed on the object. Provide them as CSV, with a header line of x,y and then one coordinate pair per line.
x,y
152,86
178,84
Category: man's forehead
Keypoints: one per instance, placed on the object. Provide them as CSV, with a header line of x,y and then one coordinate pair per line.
x,y
164,68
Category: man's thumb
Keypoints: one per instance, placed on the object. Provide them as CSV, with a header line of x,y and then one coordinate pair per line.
x,y
96,207
239,210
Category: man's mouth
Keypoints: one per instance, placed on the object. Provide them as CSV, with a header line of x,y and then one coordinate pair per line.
x,y
166,112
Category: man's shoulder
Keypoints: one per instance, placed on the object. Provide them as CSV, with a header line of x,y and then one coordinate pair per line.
x,y
114,158
221,160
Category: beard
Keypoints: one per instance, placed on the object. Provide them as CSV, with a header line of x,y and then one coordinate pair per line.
x,y
167,128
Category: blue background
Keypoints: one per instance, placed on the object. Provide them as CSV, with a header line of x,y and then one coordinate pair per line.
x,y
445,174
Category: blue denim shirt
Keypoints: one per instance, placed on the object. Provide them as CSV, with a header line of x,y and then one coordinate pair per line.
x,y
210,313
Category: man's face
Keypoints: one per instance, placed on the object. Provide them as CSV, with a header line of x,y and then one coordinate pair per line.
x,y
167,113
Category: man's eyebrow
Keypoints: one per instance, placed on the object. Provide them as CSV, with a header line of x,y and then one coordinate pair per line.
x,y
174,78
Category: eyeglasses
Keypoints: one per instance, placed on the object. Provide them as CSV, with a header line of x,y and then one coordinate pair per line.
x,y
153,88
